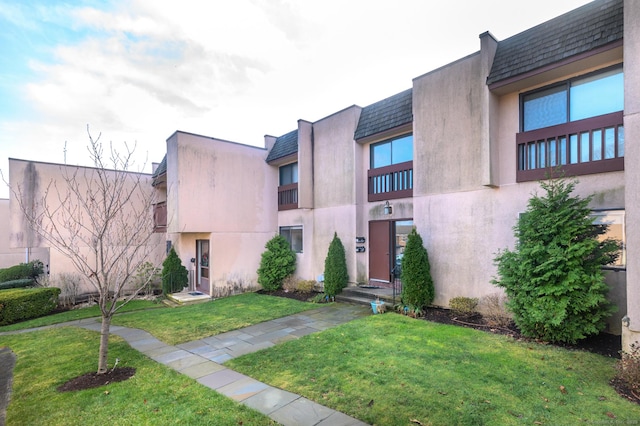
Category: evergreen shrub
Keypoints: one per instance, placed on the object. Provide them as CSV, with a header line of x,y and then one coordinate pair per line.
x,y
417,284
553,276
20,283
336,276
175,276
31,270
277,262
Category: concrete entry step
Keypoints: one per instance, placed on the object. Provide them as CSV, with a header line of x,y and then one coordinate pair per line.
x,y
188,298
366,295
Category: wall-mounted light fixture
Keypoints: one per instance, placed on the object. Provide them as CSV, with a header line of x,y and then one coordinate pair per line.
x,y
387,208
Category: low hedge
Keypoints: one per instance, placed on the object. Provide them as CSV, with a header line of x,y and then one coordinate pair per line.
x,y
21,283
23,304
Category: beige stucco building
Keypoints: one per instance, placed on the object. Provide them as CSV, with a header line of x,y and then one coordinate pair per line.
x,y
457,155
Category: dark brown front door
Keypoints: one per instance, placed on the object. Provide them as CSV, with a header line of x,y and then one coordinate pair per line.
x,y
379,250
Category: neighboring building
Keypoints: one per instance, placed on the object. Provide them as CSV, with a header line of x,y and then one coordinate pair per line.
x,y
457,155
39,184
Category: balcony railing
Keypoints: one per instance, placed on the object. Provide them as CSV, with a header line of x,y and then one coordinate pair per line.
x,y
288,197
389,182
593,145
160,217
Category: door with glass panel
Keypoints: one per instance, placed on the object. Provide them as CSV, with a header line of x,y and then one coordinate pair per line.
x,y
202,265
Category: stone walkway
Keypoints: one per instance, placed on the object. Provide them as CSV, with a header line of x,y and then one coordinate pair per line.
x,y
202,360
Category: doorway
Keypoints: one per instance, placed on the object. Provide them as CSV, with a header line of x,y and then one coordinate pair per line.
x,y
202,266
387,242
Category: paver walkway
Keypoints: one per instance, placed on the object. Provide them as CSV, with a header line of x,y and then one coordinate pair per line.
x,y
202,359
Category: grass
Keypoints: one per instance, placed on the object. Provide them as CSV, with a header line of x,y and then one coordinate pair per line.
x,y
187,323
393,370
155,395
76,314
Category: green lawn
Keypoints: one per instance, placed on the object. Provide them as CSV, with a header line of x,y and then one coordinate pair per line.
x,y
76,314
392,370
156,395
193,322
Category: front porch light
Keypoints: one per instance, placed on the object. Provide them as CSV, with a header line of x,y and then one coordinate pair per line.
x,y
388,209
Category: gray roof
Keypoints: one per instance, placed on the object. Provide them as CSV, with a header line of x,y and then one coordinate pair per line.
x,y
285,145
583,29
385,114
162,168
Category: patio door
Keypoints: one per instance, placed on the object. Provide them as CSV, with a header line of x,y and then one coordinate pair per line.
x,y
202,266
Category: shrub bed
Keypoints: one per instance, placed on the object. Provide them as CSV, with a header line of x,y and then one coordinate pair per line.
x,y
22,304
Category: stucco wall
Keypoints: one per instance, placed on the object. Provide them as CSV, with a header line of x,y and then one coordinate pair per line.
x,y
30,181
226,193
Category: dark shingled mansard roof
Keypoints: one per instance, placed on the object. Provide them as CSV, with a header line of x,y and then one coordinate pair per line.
x,y
385,114
586,28
285,145
162,167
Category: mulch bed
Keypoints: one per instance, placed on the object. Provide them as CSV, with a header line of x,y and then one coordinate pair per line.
x,y
94,380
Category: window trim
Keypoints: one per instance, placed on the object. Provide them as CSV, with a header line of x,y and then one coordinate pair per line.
x,y
292,228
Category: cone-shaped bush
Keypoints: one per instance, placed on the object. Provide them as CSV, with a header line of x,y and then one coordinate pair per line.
x,y
417,285
278,261
553,277
175,276
336,276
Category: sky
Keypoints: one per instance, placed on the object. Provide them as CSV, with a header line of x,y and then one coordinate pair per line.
x,y
135,71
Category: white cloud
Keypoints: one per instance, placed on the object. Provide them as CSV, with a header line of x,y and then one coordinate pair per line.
x,y
236,70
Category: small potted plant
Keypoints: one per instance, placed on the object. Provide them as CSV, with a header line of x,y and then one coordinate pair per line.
x,y
377,306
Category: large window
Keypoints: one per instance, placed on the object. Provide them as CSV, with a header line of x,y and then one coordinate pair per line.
x,y
289,174
585,97
394,151
293,235
575,127
391,169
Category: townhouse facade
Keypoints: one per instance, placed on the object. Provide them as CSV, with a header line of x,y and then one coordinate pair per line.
x,y
456,155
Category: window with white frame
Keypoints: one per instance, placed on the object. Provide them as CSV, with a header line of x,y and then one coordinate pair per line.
x,y
615,220
293,234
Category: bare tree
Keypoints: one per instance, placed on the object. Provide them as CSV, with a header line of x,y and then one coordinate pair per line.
x,y
100,218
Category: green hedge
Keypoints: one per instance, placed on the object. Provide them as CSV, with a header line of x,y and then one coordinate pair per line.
x,y
24,270
23,304
21,283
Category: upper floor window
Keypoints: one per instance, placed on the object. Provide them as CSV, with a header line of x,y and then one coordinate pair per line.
x,y
394,151
573,128
576,99
289,174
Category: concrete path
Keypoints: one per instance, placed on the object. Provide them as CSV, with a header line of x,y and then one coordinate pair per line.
x,y
7,362
202,360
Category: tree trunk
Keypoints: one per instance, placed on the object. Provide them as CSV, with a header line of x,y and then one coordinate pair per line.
x,y
104,345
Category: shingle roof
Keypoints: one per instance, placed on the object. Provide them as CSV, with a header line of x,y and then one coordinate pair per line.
x,y
385,114
581,30
285,145
162,167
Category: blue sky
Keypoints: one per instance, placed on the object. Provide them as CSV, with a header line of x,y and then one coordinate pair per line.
x,y
135,71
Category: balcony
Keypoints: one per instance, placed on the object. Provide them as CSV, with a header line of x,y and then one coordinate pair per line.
x,y
288,197
593,145
390,182
160,217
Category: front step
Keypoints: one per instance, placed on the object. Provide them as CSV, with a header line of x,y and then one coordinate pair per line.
x,y
364,296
